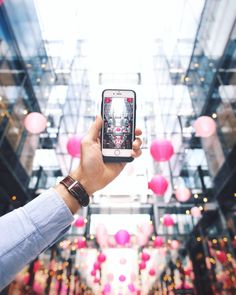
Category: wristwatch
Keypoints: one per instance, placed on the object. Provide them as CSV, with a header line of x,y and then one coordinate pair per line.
x,y
76,189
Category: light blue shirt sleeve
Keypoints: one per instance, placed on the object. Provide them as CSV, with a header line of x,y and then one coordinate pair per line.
x,y
27,231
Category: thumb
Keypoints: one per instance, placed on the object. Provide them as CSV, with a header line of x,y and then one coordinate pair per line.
x,y
95,128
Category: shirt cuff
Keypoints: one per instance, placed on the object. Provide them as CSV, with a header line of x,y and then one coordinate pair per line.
x,y
52,215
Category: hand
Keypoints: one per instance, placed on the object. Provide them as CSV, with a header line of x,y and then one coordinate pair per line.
x,y
92,172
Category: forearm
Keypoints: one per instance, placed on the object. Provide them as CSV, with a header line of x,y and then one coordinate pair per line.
x,y
27,231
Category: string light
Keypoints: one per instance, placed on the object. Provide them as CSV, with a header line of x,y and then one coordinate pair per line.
x,y
195,196
198,239
205,200
212,260
13,198
214,115
214,241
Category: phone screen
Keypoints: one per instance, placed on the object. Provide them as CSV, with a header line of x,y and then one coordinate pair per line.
x,y
118,122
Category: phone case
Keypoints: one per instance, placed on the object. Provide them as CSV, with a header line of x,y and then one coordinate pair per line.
x,y
119,159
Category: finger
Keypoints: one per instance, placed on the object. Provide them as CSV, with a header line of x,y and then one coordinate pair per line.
x,y
137,143
136,153
95,128
138,131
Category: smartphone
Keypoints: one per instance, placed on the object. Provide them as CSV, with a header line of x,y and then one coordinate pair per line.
x,y
119,117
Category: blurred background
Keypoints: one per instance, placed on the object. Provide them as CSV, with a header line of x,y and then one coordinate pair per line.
x,y
167,224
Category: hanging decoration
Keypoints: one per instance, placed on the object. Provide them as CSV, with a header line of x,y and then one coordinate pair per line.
x,y
205,126
93,272
158,185
80,222
145,256
142,265
196,212
161,150
174,244
182,194
168,220
101,258
107,288
152,272
131,287
74,146
158,242
35,122
122,237
122,278
81,243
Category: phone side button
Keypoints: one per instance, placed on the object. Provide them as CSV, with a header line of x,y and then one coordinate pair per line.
x,y
117,152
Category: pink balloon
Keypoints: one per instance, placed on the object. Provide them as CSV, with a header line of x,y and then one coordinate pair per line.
x,y
93,272
145,256
79,222
131,287
1,2
158,184
175,244
182,194
161,150
142,265
196,212
35,122
96,265
152,272
158,242
81,243
74,145
122,237
107,288
205,126
122,278
168,220
101,257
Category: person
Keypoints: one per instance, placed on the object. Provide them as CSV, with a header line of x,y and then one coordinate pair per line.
x,y
29,230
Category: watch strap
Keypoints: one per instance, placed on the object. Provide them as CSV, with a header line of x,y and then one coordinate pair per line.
x,y
76,189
